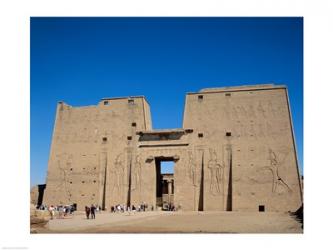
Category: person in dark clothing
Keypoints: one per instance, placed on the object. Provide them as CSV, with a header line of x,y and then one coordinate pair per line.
x,y
92,211
87,211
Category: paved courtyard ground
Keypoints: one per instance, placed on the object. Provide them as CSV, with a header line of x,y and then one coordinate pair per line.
x,y
175,222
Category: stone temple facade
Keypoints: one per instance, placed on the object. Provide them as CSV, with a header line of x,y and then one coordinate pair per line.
x,y
235,152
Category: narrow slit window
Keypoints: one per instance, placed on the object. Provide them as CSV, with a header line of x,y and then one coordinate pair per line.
x,y
130,101
228,94
228,134
129,138
261,208
200,97
106,102
200,135
133,124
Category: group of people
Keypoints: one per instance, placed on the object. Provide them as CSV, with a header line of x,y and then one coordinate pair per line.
x,y
91,211
170,207
124,208
65,210
61,210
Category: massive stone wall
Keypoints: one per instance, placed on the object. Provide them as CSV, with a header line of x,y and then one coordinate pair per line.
x,y
250,156
235,152
89,151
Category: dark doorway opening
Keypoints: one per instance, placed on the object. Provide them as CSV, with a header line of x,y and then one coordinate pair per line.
x,y
41,189
164,182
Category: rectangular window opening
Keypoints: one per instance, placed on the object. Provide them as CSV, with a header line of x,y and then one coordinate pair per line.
x,y
227,94
105,139
200,97
130,101
129,138
200,135
106,102
261,208
228,134
133,124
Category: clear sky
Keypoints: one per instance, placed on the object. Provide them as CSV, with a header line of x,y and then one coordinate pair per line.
x,y
81,60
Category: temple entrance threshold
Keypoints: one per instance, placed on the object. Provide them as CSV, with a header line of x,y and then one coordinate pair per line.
x,y
164,183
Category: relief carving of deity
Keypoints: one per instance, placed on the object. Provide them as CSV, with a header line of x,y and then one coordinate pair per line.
x,y
216,173
136,174
118,173
191,169
261,110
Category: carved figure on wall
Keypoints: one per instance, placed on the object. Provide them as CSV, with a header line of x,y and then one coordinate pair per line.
x,y
242,111
251,112
278,184
235,113
260,130
136,174
261,110
191,169
243,130
118,173
63,172
270,131
271,108
216,173
252,130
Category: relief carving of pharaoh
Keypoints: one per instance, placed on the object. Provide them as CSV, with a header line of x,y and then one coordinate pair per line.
x,y
136,174
191,169
117,173
216,173
276,163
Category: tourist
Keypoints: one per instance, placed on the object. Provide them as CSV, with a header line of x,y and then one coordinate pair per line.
x,y
59,209
112,209
87,211
72,209
97,208
129,210
92,211
64,211
51,210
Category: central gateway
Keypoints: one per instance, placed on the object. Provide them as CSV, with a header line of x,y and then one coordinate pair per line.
x,y
234,152
155,147
164,185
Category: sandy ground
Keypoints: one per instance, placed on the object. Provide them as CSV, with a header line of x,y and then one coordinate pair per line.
x,y
176,222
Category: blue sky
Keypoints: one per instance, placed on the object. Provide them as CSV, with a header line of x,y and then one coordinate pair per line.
x,y
81,60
